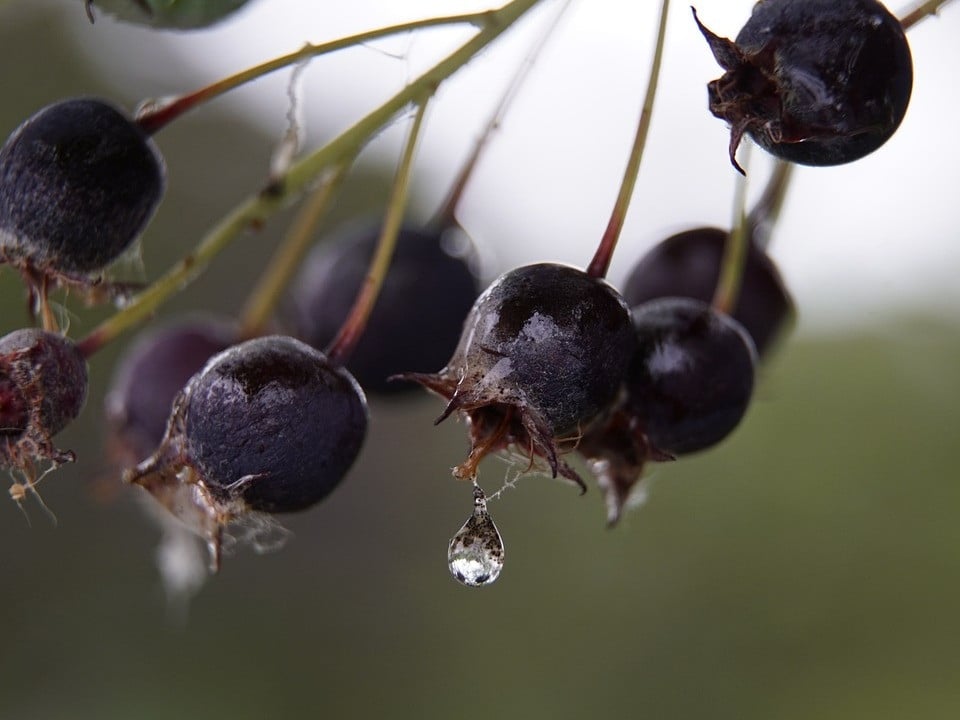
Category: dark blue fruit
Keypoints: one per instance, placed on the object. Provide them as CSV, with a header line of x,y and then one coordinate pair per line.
x,y
688,265
419,313
43,387
78,183
268,426
148,377
688,385
815,82
542,354
691,377
272,421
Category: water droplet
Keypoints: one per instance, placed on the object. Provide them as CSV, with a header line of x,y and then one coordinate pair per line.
x,y
476,551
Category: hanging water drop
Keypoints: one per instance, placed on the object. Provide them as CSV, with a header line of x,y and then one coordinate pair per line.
x,y
475,555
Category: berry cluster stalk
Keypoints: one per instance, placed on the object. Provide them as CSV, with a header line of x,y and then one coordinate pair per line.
x,y
352,328
763,216
924,9
445,216
255,210
601,260
735,249
156,115
273,282
285,261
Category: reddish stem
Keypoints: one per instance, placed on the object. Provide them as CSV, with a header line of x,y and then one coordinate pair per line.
x,y
601,260
446,215
352,329
156,116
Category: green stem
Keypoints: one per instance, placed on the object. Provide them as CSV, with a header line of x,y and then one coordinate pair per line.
x,y
601,260
924,9
155,116
255,210
763,216
735,250
285,261
352,328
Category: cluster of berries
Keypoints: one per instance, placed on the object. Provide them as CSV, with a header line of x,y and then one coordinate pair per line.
x,y
78,183
551,360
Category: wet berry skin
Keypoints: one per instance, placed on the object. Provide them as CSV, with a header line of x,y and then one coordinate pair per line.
x,y
419,313
79,181
542,354
687,387
267,426
43,387
815,82
271,421
688,265
691,378
150,375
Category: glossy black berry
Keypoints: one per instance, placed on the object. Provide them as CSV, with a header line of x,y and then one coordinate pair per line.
x,y
78,183
43,387
542,354
150,375
691,377
688,265
815,82
272,421
419,313
267,426
687,387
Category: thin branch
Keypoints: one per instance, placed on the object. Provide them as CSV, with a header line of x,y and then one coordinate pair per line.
x,y
353,327
255,210
601,260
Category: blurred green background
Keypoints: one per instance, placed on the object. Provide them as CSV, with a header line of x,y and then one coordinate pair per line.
x,y
807,568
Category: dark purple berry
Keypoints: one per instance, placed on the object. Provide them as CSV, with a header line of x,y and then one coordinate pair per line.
x,y
268,426
419,313
149,376
688,265
691,377
688,385
14,411
542,354
43,386
815,82
275,412
78,183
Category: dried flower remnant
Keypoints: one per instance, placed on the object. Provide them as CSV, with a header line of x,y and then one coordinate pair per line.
x,y
43,387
